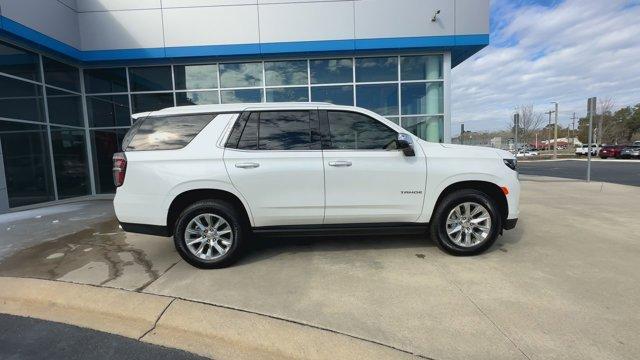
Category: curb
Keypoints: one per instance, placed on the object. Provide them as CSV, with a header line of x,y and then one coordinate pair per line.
x,y
203,329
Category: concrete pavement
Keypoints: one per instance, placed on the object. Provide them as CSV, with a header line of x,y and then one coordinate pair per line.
x,y
564,284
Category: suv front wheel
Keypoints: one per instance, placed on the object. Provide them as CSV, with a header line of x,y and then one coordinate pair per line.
x,y
209,234
466,222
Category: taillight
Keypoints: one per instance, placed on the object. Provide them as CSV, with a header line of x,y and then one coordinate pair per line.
x,y
119,168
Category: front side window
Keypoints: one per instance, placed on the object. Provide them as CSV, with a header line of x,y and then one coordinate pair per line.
x,y
276,130
353,131
166,132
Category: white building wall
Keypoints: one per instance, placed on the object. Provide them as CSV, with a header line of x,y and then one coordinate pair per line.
x,y
125,24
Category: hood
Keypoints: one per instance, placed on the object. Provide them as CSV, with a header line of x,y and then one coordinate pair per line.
x,y
480,151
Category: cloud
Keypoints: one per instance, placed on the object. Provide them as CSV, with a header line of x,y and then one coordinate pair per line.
x,y
563,51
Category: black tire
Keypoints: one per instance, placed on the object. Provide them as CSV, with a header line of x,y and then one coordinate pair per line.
x,y
438,227
224,210
603,157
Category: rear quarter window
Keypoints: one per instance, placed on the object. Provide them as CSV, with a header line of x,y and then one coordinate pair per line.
x,y
165,133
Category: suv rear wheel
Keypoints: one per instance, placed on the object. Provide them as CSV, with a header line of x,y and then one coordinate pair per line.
x,y
209,234
466,222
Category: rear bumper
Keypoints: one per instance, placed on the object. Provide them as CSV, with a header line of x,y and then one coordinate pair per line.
x,y
510,224
156,230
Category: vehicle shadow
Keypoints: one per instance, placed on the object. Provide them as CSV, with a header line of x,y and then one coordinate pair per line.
x,y
265,247
261,248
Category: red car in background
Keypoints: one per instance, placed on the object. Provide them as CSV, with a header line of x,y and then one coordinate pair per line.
x,y
612,151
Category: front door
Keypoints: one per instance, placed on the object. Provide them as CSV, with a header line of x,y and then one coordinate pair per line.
x,y
366,179
278,168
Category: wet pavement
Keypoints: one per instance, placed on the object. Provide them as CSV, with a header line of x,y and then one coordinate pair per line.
x,y
563,284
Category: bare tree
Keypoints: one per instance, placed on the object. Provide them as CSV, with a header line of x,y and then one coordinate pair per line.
x,y
530,123
605,107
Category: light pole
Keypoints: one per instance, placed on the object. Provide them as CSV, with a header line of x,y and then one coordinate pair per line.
x,y
555,133
549,130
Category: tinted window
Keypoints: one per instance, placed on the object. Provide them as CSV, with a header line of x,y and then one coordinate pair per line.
x,y
190,77
104,143
64,108
377,69
27,166
379,98
338,95
105,80
421,67
196,97
21,100
241,74
236,131
249,138
331,71
108,110
286,72
151,102
299,94
284,130
70,160
355,131
165,133
241,96
61,75
153,78
422,98
18,62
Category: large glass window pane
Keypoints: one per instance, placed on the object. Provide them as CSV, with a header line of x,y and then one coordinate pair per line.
x,y
151,102
107,80
241,96
422,98
353,131
19,62
70,161
377,69
27,164
64,108
21,100
286,72
338,95
240,75
429,128
426,67
104,144
379,98
108,110
61,75
288,94
284,130
191,77
331,71
152,78
196,98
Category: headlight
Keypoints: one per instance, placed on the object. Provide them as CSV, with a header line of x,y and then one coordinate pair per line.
x,y
511,163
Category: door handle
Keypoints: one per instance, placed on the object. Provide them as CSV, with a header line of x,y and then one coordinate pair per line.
x,y
340,163
247,165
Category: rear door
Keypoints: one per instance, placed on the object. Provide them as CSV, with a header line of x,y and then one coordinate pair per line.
x,y
366,179
274,159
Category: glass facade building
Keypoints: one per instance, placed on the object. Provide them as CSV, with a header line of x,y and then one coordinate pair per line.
x,y
60,123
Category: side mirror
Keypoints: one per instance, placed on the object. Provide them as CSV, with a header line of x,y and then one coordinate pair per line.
x,y
405,143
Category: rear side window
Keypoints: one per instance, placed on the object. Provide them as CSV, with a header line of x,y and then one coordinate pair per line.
x,y
165,133
277,130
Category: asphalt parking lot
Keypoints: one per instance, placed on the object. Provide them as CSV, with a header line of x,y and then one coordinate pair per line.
x,y
561,285
626,172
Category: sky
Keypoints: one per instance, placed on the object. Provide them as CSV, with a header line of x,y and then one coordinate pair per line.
x,y
549,50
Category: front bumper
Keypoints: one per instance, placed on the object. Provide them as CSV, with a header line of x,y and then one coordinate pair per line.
x,y
510,224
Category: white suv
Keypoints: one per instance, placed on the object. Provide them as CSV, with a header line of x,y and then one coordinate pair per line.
x,y
214,175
